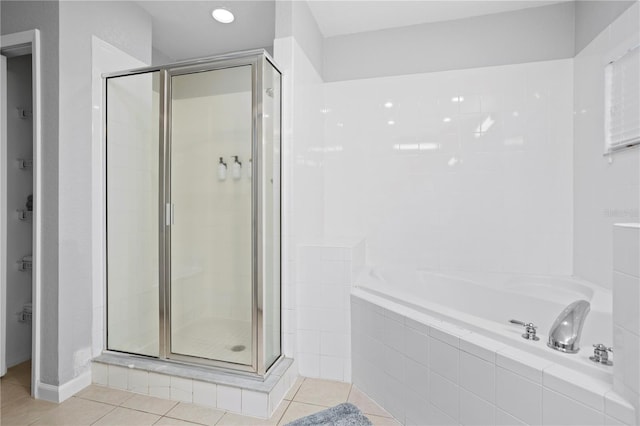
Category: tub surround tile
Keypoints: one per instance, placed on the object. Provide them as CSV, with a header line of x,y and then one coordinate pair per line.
x,y
578,386
449,334
444,359
440,418
562,410
418,326
417,378
626,299
443,394
475,410
416,345
505,419
522,363
480,346
610,421
525,403
481,381
619,408
626,250
478,376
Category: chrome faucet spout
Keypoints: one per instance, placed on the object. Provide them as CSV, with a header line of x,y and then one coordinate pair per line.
x,y
565,332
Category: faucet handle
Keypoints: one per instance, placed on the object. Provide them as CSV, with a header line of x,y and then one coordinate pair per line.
x,y
601,354
530,329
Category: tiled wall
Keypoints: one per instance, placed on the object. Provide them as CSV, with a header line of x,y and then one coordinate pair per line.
x,y
302,168
248,402
456,169
604,193
326,271
626,312
426,372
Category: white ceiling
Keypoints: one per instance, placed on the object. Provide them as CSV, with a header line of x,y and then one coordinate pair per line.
x,y
184,29
354,16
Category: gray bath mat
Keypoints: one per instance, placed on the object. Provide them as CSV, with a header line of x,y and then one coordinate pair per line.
x,y
344,414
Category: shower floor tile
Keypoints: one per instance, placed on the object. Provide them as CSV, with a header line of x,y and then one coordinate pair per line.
x,y
214,338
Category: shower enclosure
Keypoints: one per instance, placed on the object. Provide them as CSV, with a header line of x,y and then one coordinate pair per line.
x,y
193,212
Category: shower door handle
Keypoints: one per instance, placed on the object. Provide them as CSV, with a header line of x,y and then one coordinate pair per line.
x,y
170,214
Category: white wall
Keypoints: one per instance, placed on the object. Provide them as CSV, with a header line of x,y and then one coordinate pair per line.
x,y
23,16
604,193
430,191
128,27
534,34
19,186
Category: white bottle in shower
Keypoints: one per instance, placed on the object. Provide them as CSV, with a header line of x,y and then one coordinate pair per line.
x,y
249,169
236,168
222,170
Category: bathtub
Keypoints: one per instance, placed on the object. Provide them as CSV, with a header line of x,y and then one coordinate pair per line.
x,y
485,302
465,319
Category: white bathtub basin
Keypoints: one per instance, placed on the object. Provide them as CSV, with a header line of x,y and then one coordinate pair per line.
x,y
485,302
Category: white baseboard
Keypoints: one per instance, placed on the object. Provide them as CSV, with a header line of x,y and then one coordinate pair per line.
x,y
60,393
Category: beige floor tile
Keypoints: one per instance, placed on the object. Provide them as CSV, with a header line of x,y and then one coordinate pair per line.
x,y
149,404
195,413
294,389
297,410
75,411
124,416
322,392
366,404
168,421
19,374
383,421
232,419
25,411
104,394
11,392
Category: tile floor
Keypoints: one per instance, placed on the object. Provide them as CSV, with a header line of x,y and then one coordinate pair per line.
x,y
98,405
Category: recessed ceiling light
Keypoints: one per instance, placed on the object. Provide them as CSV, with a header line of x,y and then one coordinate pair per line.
x,y
391,122
388,104
223,15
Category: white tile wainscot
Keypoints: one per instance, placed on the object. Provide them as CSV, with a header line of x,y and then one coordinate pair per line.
x,y
249,397
325,273
426,372
626,313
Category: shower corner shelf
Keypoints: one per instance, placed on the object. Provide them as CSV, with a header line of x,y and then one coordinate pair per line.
x,y
24,215
24,163
25,264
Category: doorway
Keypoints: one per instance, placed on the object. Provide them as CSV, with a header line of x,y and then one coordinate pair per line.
x,y
20,218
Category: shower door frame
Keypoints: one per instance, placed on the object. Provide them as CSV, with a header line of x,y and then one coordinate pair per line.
x,y
256,59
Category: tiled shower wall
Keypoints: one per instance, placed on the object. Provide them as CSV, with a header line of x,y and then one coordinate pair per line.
x,y
468,169
626,312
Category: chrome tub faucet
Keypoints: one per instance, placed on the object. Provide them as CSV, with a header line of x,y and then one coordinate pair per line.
x,y
564,335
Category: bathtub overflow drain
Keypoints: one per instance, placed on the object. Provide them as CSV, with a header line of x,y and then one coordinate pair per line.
x,y
238,348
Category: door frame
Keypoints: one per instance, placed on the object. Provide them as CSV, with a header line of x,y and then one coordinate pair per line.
x,y
18,44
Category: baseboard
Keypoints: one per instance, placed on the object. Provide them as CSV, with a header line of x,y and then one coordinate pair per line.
x,y
60,393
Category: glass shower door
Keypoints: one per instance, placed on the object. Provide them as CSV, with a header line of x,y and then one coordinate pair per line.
x,y
211,249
